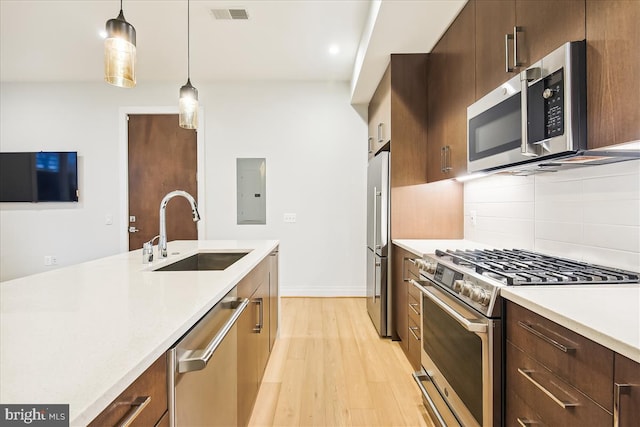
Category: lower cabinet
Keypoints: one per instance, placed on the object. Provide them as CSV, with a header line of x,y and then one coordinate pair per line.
x,y
253,338
626,392
406,305
143,403
554,376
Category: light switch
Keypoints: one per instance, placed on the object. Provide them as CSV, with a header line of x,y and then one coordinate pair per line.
x,y
108,219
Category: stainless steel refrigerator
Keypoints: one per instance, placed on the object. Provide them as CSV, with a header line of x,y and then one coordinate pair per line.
x,y
378,283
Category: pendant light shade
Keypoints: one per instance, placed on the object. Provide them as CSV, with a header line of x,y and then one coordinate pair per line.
x,y
120,52
188,106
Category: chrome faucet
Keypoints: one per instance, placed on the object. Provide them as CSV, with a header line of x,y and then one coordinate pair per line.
x,y
162,243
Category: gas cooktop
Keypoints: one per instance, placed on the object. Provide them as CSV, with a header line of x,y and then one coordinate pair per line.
x,y
517,267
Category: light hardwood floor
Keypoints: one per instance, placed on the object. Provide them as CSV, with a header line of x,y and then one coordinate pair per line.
x,y
330,368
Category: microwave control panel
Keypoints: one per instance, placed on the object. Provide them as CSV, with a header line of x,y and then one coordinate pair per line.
x,y
545,105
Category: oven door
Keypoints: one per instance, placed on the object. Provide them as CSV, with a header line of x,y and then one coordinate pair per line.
x,y
461,357
494,128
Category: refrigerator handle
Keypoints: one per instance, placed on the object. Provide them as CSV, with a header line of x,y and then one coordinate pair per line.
x,y
376,266
375,220
376,194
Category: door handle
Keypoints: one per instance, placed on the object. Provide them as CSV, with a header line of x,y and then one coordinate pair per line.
x,y
516,30
196,360
133,229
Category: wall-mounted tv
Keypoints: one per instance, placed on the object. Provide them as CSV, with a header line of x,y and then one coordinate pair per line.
x,y
44,176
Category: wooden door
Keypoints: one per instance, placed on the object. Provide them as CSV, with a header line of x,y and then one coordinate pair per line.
x,y
547,25
451,89
627,388
613,61
162,158
494,20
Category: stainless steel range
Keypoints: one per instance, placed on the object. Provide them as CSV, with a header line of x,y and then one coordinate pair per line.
x,y
462,355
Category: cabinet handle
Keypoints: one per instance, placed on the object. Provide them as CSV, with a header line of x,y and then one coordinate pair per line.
x,y
370,144
527,374
137,406
258,327
525,422
507,67
380,133
447,158
516,30
545,338
413,306
442,159
412,329
619,389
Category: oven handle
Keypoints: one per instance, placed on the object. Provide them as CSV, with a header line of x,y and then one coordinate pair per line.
x,y
434,409
480,328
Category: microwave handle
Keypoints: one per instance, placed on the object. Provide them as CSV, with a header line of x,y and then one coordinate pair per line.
x,y
525,77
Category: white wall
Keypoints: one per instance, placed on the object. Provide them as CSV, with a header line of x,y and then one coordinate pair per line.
x,y
590,214
308,132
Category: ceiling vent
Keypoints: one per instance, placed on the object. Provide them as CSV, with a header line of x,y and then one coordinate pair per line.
x,y
230,13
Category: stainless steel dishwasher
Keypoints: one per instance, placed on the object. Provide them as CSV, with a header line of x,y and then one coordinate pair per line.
x,y
203,369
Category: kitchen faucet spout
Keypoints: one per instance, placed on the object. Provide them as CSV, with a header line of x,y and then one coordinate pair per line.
x,y
162,242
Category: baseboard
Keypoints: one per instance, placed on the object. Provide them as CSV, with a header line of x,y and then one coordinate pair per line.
x,y
323,291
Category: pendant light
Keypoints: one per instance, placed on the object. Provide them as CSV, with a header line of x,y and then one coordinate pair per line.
x,y
120,52
188,93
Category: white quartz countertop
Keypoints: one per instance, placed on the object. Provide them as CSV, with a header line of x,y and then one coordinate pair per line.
x,y
420,247
606,314
80,335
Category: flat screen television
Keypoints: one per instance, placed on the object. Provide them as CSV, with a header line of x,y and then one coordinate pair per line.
x,y
44,176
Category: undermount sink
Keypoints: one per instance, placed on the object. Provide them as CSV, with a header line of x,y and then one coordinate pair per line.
x,y
205,261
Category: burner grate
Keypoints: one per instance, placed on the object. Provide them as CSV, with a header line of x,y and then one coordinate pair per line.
x,y
521,267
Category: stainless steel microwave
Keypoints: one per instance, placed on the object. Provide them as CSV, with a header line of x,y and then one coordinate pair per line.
x,y
540,114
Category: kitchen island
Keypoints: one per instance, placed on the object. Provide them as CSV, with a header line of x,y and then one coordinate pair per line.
x,y
80,335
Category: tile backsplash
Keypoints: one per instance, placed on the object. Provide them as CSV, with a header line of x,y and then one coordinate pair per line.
x,y
590,214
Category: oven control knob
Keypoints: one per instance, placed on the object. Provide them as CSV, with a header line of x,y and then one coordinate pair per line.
x,y
481,296
428,266
458,285
547,93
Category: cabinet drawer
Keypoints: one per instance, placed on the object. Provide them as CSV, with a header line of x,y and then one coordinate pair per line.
x,y
413,308
544,391
146,397
414,344
586,365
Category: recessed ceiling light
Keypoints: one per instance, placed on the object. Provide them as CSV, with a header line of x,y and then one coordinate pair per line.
x,y
334,49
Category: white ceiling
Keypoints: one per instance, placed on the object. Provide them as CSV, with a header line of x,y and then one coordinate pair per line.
x,y
58,40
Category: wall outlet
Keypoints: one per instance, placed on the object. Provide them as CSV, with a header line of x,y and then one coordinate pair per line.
x,y
50,260
473,216
289,217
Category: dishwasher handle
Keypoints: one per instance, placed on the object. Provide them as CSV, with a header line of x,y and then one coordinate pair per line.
x,y
196,360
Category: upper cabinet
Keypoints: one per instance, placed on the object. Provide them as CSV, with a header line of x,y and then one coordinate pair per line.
x,y
613,61
398,113
450,89
380,115
511,35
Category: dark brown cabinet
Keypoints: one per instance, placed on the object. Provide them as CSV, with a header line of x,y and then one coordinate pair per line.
x,y
613,87
512,34
626,392
406,305
554,376
380,115
143,403
451,88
